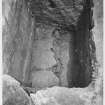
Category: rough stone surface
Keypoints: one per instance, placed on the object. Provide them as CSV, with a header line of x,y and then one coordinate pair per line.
x,y
98,37
16,43
51,52
63,96
57,11
43,79
43,57
98,29
13,94
62,48
66,56
17,28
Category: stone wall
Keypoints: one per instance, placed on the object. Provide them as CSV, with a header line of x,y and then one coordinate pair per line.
x,y
59,43
98,37
17,38
98,30
50,48
51,52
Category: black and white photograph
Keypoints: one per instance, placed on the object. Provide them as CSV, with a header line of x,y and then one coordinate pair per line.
x,y
52,52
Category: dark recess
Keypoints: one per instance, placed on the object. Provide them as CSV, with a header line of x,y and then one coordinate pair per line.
x,y
80,74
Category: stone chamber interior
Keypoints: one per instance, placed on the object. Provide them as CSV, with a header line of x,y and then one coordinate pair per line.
x,y
50,45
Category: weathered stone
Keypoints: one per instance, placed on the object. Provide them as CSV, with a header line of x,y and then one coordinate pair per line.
x,y
43,79
66,56
17,30
62,96
62,49
8,80
57,11
13,94
51,49
43,57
